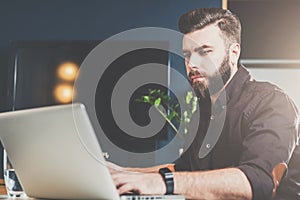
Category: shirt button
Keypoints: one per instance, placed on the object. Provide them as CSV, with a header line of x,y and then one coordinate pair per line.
x,y
207,146
212,117
223,107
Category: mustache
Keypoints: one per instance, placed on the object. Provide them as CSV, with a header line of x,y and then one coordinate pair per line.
x,y
196,73
198,89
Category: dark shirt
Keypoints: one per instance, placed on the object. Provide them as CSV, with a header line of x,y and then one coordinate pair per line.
x,y
289,188
260,131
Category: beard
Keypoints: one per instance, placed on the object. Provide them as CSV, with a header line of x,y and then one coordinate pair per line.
x,y
214,83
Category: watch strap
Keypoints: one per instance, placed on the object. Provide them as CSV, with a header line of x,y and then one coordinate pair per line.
x,y
167,175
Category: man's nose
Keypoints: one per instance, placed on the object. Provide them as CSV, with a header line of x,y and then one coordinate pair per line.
x,y
194,62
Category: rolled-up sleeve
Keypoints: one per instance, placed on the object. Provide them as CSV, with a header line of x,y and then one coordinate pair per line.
x,y
271,131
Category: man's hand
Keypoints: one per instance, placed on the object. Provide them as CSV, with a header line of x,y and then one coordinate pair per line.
x,y
127,180
141,183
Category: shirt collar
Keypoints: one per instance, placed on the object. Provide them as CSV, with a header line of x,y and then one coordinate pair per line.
x,y
234,87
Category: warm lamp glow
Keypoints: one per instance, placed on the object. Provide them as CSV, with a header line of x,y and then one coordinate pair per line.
x,y
67,71
63,93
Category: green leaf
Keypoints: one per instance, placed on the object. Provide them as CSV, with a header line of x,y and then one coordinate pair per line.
x,y
160,99
165,97
157,102
172,114
151,91
187,120
185,130
169,117
189,96
194,104
185,114
146,99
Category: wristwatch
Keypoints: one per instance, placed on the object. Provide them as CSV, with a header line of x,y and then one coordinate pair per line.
x,y
167,175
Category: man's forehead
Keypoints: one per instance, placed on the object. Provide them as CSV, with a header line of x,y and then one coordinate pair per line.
x,y
191,43
208,36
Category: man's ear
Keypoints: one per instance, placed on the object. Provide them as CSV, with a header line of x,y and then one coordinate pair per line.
x,y
234,53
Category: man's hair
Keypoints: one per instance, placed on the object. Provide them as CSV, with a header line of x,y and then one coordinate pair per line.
x,y
228,23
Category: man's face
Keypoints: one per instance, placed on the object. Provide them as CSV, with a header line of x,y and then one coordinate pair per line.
x,y
206,60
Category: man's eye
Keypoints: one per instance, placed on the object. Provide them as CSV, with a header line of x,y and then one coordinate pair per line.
x,y
204,52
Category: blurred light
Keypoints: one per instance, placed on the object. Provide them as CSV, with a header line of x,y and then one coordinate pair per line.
x,y
63,93
67,71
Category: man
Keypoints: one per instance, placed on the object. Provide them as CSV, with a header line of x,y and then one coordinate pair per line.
x,y
259,133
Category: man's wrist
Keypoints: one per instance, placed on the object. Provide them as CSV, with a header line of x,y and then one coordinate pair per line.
x,y
168,179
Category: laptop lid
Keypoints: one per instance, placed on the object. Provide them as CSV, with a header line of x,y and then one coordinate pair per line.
x,y
56,154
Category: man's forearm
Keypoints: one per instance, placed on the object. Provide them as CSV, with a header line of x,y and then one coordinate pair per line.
x,y
228,183
151,169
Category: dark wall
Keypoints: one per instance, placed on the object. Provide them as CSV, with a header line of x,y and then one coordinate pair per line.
x,y
71,20
270,28
81,20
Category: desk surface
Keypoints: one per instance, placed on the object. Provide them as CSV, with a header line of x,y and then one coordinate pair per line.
x,y
4,196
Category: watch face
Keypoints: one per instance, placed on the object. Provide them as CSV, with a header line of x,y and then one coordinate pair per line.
x,y
164,170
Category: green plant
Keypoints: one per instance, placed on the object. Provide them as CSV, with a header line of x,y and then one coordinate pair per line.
x,y
162,101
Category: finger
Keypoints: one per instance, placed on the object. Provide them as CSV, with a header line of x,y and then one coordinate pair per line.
x,y
128,188
119,178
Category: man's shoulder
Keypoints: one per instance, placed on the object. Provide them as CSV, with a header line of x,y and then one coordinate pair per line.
x,y
263,95
262,88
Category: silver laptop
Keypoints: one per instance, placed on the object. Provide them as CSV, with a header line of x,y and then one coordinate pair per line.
x,y
56,155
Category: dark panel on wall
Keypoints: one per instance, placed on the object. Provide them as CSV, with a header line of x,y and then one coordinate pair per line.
x,y
80,20
36,65
71,20
270,28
